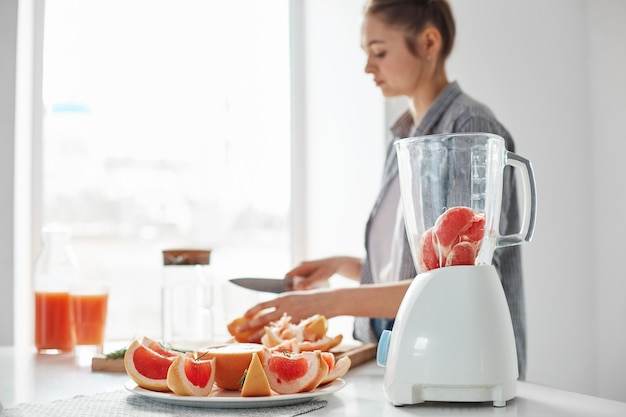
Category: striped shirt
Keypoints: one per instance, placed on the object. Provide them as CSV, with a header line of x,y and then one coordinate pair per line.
x,y
452,112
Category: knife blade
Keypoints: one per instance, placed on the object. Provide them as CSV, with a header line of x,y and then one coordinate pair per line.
x,y
273,285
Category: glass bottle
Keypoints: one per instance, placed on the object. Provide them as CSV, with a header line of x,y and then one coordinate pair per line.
x,y
187,298
54,272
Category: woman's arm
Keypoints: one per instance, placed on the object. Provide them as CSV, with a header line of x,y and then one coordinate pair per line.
x,y
372,300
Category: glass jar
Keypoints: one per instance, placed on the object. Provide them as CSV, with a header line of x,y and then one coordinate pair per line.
x,y
55,271
187,320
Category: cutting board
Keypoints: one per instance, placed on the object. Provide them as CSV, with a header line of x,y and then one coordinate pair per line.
x,y
358,353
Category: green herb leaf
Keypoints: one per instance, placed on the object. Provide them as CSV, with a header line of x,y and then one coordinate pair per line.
x,y
243,378
116,354
285,352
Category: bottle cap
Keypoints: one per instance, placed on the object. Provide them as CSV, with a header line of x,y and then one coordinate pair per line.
x,y
186,257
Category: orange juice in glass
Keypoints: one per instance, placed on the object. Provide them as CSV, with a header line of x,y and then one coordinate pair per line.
x,y
89,311
53,322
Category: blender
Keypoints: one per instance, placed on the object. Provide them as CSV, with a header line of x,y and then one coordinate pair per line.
x,y
453,338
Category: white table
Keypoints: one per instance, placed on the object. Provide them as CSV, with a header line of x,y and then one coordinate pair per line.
x,y
28,377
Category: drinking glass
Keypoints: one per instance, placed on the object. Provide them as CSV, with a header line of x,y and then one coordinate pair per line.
x,y
89,311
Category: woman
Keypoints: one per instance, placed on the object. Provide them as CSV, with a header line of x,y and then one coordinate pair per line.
x,y
407,44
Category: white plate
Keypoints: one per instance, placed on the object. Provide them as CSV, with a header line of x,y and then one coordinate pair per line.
x,y
231,399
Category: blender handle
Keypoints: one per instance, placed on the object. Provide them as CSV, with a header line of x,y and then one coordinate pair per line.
x,y
530,202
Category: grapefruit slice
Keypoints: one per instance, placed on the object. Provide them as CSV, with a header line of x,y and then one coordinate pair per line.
x,y
270,338
255,383
315,327
290,346
231,362
308,335
427,256
243,337
147,367
476,230
324,344
441,244
291,374
336,368
463,253
190,376
449,227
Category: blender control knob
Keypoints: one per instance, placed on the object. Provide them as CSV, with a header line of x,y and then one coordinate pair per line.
x,y
383,348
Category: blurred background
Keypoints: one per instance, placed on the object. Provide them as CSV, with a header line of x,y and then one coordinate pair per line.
x,y
252,129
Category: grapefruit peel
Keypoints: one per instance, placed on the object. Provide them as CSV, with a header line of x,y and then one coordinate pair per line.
x,y
255,382
336,367
308,335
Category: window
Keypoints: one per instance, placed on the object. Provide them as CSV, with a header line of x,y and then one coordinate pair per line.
x,y
167,125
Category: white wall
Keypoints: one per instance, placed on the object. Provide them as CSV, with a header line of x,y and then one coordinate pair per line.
x,y
607,58
344,129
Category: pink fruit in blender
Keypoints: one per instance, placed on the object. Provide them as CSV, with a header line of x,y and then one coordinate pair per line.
x,y
453,240
427,256
449,227
476,230
463,253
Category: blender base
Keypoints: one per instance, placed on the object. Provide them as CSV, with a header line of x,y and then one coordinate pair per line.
x,y
452,340
415,394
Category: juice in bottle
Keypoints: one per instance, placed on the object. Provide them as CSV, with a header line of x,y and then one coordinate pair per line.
x,y
55,271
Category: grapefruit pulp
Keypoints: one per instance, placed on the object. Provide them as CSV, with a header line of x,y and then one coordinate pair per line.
x,y
147,367
453,240
191,376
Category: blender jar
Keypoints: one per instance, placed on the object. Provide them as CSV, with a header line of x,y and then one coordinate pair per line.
x,y
451,186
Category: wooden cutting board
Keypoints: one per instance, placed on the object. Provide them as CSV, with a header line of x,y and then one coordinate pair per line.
x,y
358,353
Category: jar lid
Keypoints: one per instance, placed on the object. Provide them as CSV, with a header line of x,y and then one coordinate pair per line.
x,y
186,257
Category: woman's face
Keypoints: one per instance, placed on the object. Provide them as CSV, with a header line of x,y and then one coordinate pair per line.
x,y
395,69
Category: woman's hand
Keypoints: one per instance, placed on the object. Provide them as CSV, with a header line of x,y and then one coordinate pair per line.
x,y
297,304
310,274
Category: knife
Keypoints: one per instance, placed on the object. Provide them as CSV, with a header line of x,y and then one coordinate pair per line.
x,y
273,285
